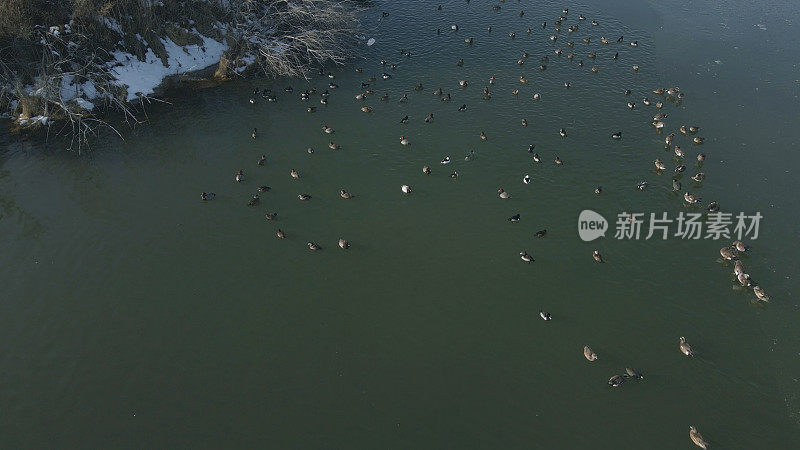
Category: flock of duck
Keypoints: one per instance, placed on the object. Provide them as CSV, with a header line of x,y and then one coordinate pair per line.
x,y
562,26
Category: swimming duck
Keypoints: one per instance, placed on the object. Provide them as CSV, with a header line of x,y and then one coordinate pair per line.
x,y
253,201
738,267
617,135
685,348
280,234
403,140
344,194
418,87
462,83
633,373
616,381
690,198
525,257
627,92
659,164
386,76
366,109
562,132
739,246
761,294
646,101
522,79
537,96
254,134
462,108
503,194
205,196
310,150
327,129
668,140
261,161
311,109
483,136
429,119
603,40
252,101
597,256
744,279
295,174
542,67
514,218
545,315
589,353
540,233
332,85
446,160
515,92
359,69
616,56
679,152
526,179
446,97
700,176
524,122
454,174
405,188
595,23
567,84
263,189
727,253
592,55
595,69
239,176
325,94
460,62
641,185
304,197
404,119
701,157
631,105
271,215
343,244
693,129
581,17
558,161
536,158
598,190
361,96
698,140
385,97
314,246
468,40
659,105
680,169
697,438
323,101
426,170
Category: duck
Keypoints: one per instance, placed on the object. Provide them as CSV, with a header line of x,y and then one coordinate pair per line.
x,y
261,161
304,197
761,294
361,95
698,140
641,185
697,438
589,353
679,152
366,109
205,196
595,69
540,233
526,179
310,150
660,116
406,189
503,194
328,129
404,140
254,134
460,62
343,244
595,23
545,315
635,44
627,92
344,194
483,136
263,189
562,132
738,267
739,246
239,176
462,108
567,84
446,160
597,256
699,176
462,83
631,105
659,164
469,40
295,174
426,170
280,234
252,101
253,201
525,256
645,101
690,198
617,135
514,218
323,101
616,381
669,139
446,97
454,174
558,161
727,253
633,373
744,279
429,119
536,158
694,129
404,119
522,79
591,55
701,157
334,146
616,56
676,185
685,348
332,85
537,96
271,215
314,246
311,109
680,169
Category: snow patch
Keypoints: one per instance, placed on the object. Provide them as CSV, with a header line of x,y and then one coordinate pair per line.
x,y
142,77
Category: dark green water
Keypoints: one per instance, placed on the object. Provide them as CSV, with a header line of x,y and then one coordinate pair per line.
x,y
134,315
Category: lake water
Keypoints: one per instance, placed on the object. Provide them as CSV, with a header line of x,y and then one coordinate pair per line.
x,y
134,315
